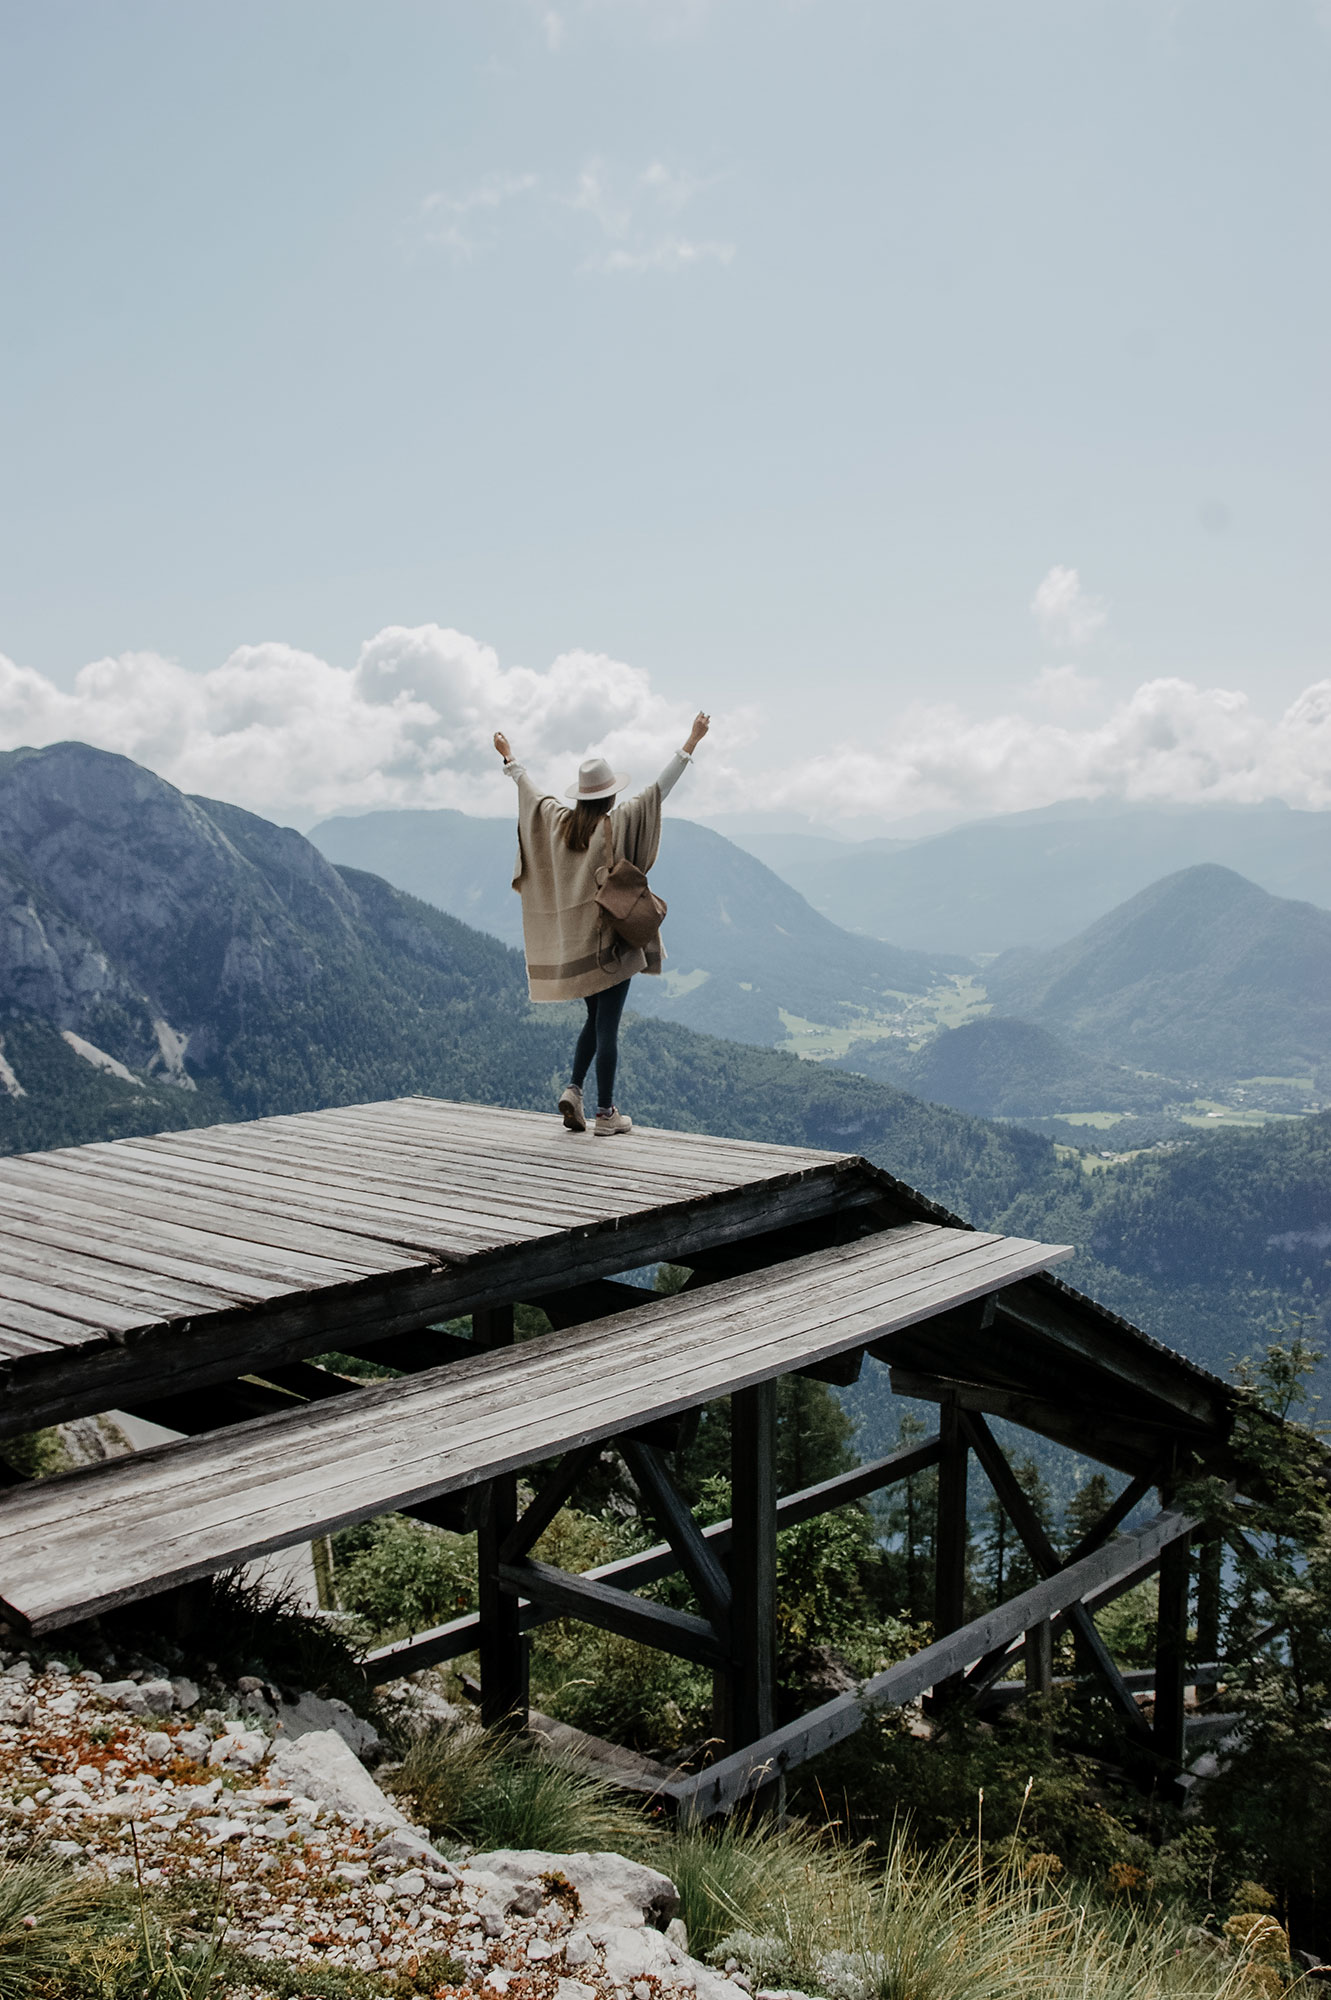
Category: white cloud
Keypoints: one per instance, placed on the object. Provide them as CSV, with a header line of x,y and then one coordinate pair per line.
x,y
630,214
1064,612
448,218
634,214
1168,741
282,731
409,724
671,253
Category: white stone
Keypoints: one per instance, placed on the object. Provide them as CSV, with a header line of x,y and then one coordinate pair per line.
x,y
186,1693
633,1951
405,1845
113,1690
325,1769
66,1849
313,1713
194,1744
156,1745
611,1890
20,1671
410,1883
239,1750
353,1871
578,1949
574,1989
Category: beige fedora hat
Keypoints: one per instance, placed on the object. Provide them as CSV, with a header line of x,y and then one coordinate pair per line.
x,y
596,780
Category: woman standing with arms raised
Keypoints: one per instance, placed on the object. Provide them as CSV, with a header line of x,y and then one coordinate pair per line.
x,y
572,953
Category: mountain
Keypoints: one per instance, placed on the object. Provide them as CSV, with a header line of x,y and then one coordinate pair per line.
x,y
743,946
1037,878
167,960
1000,1068
1201,975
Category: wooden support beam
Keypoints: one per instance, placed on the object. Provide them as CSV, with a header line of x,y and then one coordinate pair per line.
x,y
568,1596
502,1648
950,1534
537,1517
1040,1658
697,1558
1208,1613
1129,1446
750,1694
737,1776
1046,1558
841,1370
458,1636
1170,1652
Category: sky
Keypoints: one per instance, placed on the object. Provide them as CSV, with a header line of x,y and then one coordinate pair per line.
x,y
934,390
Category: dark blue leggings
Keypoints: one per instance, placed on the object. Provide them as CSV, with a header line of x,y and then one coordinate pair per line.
x,y
600,1038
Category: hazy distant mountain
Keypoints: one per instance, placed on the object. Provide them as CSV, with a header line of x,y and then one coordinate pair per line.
x,y
1000,1068
1036,878
742,944
1202,975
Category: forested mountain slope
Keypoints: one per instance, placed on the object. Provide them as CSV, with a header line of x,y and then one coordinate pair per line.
x,y
1202,975
1000,1068
742,944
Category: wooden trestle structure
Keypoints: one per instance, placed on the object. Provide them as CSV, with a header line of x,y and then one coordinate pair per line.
x,y
188,1278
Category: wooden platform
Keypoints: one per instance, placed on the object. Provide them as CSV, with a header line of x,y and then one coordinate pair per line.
x,y
144,1266
183,1510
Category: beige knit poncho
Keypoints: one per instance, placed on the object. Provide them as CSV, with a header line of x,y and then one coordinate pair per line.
x,y
570,952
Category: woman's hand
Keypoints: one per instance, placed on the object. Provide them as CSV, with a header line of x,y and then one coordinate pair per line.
x,y
502,746
701,724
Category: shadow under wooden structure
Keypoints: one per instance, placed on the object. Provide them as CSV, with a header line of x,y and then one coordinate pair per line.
x,y
188,1278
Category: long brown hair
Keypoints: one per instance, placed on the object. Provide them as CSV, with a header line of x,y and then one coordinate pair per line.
x,y
582,822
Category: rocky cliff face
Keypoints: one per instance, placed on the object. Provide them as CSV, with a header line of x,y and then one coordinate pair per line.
x,y
185,940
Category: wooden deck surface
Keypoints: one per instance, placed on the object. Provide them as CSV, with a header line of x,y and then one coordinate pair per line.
x,y
81,1543
244,1226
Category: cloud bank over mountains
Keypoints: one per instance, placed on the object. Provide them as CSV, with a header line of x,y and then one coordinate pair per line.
x,y
292,736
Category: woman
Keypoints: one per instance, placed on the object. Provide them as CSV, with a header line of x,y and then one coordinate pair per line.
x,y
571,952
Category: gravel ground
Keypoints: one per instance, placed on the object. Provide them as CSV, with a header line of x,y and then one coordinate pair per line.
x,y
119,1777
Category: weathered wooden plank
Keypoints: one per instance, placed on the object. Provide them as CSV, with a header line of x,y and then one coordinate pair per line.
x,y
345,1183
537,1127
300,1251
114,1251
733,1778
93,1278
209,1502
437,1232
224,1346
380,1150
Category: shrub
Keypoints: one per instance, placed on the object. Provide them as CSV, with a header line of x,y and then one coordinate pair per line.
x,y
398,1576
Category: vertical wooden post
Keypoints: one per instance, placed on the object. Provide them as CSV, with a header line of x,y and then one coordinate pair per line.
x,y
750,1710
503,1649
1208,1613
1040,1659
950,1537
1171,1642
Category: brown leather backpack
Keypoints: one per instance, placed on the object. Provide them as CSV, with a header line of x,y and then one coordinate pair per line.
x,y
632,911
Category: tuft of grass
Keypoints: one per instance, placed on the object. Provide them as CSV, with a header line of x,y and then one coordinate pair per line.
x,y
948,1925
494,1790
44,1916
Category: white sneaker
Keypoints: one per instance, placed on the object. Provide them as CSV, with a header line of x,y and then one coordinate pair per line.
x,y
571,1106
608,1123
